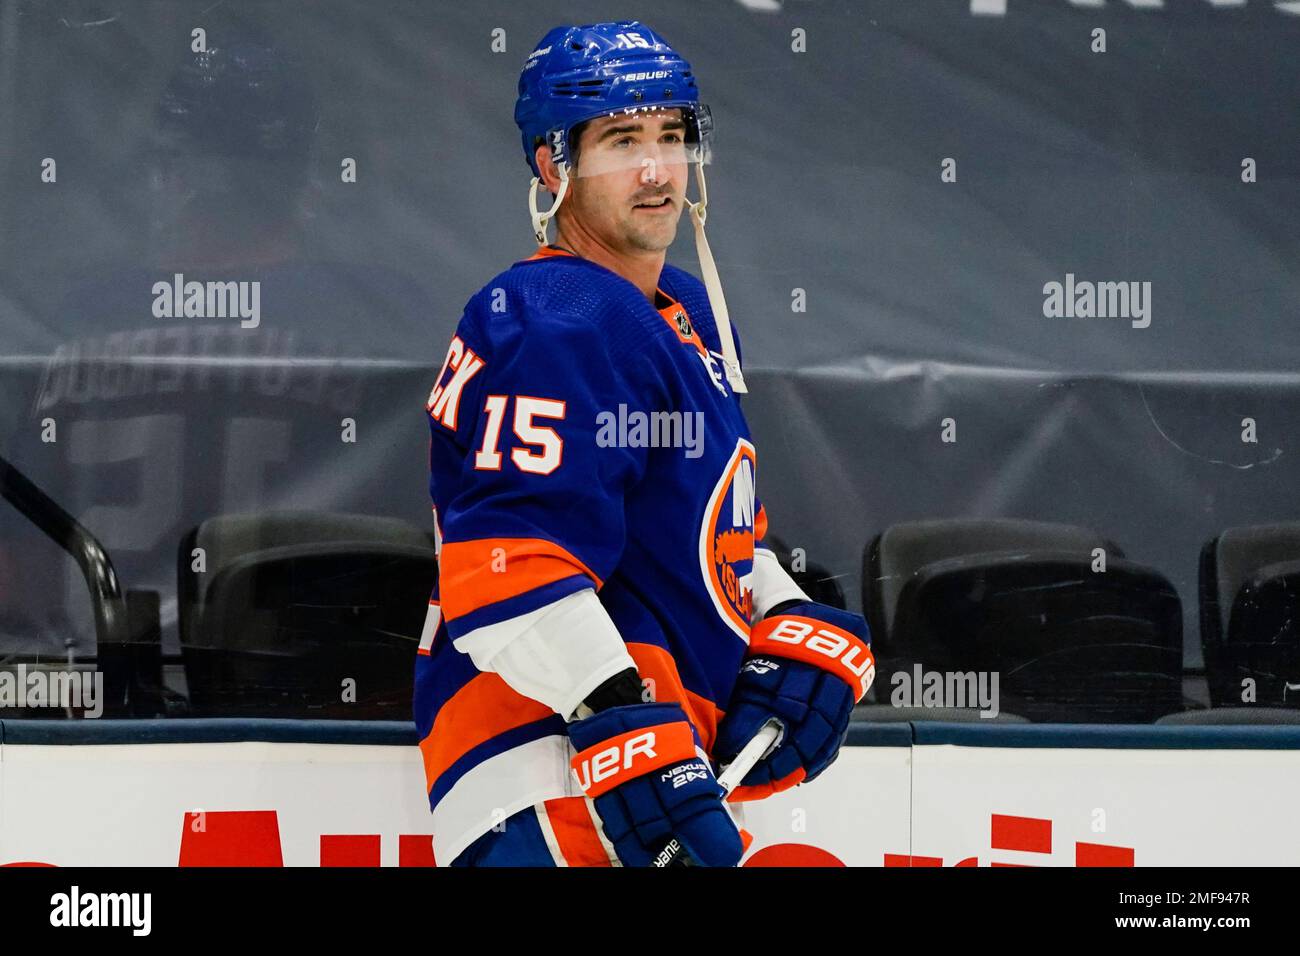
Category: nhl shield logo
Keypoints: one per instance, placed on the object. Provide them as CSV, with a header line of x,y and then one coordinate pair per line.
x,y
683,324
727,540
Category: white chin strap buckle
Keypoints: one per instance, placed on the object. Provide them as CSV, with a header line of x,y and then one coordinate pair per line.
x,y
542,219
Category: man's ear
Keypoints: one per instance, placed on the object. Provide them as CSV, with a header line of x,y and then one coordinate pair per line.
x,y
550,174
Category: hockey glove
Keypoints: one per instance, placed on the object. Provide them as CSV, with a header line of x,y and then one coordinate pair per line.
x,y
639,766
808,664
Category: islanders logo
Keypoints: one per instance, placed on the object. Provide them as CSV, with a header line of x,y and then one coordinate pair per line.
x,y
727,541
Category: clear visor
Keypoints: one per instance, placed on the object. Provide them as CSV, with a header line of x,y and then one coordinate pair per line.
x,y
653,143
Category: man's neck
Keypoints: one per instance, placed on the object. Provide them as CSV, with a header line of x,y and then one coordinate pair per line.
x,y
642,269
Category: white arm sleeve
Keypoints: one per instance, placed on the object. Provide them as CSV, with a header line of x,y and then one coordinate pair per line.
x,y
557,654
772,584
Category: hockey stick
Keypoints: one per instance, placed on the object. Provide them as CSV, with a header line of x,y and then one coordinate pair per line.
x,y
759,746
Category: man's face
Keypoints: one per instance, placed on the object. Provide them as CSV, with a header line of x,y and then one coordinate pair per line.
x,y
630,180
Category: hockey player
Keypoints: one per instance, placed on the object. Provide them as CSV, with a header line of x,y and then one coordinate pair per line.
x,y
606,631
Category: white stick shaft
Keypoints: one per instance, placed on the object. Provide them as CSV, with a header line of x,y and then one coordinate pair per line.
x,y
751,754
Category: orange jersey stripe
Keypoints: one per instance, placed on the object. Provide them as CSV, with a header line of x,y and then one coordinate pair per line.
x,y
479,711
545,252
658,665
746,840
487,706
474,574
575,832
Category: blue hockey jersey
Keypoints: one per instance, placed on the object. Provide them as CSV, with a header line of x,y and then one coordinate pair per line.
x,y
580,437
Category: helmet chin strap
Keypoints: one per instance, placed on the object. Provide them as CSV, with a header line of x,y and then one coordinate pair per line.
x,y
712,284
542,219
730,361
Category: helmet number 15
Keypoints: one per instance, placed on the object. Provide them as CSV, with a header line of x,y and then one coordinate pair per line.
x,y
628,41
531,436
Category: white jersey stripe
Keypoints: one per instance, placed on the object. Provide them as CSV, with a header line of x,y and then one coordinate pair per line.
x,y
548,834
600,832
431,621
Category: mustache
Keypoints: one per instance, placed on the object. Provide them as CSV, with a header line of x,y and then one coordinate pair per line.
x,y
657,194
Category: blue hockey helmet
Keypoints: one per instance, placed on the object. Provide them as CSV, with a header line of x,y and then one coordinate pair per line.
x,y
578,73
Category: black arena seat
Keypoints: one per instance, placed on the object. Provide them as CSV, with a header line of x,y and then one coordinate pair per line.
x,y
1250,617
1021,599
293,609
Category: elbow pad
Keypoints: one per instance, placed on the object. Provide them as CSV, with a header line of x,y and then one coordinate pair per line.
x,y
558,654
